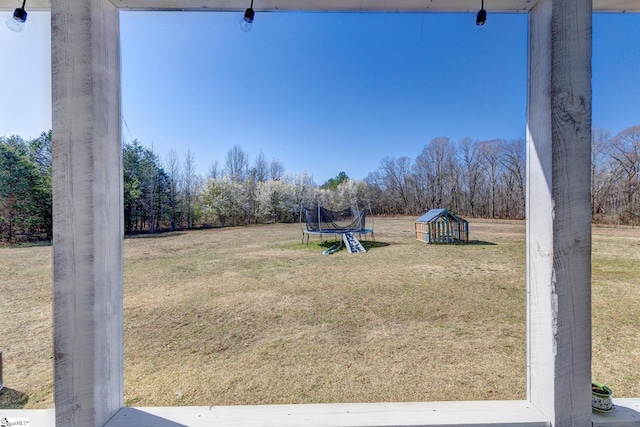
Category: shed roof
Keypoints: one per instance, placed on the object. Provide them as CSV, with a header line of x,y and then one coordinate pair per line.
x,y
434,214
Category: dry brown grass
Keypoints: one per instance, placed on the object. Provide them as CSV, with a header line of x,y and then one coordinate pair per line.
x,y
616,309
250,316
26,325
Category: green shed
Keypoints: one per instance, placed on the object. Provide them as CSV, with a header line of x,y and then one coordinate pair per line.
x,y
441,226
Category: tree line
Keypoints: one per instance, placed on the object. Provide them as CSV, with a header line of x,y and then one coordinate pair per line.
x,y
487,178
25,188
472,178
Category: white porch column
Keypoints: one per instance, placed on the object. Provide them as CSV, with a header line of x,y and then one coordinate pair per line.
x,y
559,212
87,212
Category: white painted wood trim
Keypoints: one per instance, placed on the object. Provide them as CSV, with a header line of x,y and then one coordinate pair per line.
x,y
508,413
539,206
626,413
87,212
485,413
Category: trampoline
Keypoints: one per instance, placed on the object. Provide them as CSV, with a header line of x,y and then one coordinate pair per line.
x,y
321,221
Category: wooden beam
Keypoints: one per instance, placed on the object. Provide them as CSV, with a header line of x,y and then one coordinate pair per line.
x,y
493,6
87,212
558,211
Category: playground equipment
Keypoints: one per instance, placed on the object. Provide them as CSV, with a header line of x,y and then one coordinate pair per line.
x,y
346,223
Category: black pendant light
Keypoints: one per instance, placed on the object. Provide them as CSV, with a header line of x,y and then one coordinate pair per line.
x,y
247,20
16,22
481,18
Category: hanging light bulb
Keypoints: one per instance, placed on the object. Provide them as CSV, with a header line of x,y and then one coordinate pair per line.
x,y
247,20
481,18
16,22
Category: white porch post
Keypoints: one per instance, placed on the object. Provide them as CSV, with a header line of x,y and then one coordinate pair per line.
x,y
559,212
87,212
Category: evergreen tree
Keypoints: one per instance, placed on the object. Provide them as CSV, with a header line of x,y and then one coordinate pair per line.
x,y
25,188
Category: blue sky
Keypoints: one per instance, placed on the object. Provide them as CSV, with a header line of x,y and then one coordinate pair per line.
x,y
320,92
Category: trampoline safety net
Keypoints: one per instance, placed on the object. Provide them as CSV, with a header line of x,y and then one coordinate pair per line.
x,y
321,220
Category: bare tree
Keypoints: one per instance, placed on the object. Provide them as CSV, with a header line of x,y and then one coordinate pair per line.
x,y
237,164
514,162
492,158
173,173
602,181
626,153
472,174
214,170
395,177
261,168
189,182
276,170
421,183
437,165
378,197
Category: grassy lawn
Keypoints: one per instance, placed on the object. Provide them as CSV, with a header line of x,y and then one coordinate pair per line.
x,y
250,315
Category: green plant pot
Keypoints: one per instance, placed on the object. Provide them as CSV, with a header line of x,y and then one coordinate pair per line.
x,y
601,397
